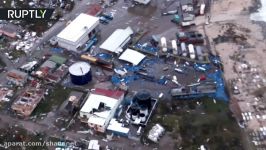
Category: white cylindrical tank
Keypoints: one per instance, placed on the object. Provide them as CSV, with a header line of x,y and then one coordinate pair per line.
x,y
144,111
80,73
134,117
174,46
164,44
191,51
142,117
184,49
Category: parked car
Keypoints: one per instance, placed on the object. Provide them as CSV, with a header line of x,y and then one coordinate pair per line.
x,y
108,16
103,20
191,37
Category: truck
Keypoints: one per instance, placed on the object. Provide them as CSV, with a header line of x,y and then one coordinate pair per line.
x,y
191,51
90,43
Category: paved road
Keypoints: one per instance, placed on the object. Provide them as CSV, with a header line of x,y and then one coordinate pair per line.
x,y
34,127
80,6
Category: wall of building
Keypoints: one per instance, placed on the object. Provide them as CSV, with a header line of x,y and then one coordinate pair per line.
x,y
69,45
113,111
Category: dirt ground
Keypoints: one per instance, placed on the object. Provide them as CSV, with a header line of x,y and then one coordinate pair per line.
x,y
232,33
231,18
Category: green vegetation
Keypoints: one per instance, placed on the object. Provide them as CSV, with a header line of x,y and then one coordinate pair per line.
x,y
207,123
16,53
55,98
19,135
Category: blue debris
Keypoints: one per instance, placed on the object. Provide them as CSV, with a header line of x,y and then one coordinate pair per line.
x,y
127,79
146,48
131,68
162,80
90,43
220,92
115,79
57,50
104,56
202,67
149,61
215,60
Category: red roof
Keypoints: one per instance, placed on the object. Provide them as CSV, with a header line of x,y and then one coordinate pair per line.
x,y
94,9
44,70
109,93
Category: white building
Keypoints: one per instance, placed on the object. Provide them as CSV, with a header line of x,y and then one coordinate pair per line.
x,y
132,56
118,39
100,108
78,32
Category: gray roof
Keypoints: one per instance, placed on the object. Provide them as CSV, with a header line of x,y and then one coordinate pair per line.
x,y
186,2
49,64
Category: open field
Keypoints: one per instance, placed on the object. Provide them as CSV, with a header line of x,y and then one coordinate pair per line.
x,y
201,122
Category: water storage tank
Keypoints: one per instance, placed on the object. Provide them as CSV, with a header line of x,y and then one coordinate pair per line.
x,y
184,49
144,111
80,73
163,44
174,46
142,117
143,99
191,51
199,53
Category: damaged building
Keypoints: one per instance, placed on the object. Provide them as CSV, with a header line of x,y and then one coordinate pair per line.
x,y
17,77
28,101
100,108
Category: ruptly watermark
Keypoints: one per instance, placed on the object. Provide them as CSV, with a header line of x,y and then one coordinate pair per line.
x,y
26,14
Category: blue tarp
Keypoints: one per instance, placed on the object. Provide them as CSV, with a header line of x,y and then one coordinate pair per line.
x,y
116,79
220,92
131,68
146,48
